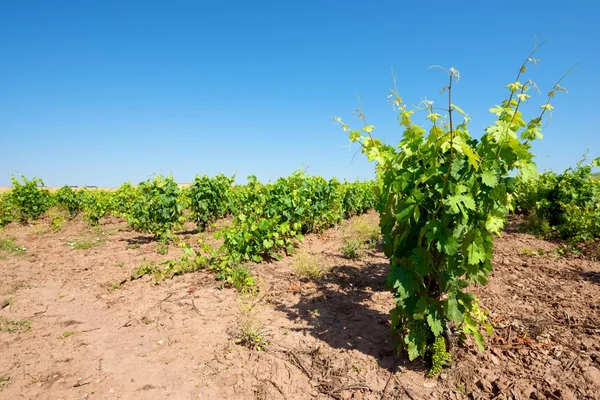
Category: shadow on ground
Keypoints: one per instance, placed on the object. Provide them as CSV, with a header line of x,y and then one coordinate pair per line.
x,y
351,311
142,239
591,277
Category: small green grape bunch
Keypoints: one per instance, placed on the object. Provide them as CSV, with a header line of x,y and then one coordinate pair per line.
x,y
440,357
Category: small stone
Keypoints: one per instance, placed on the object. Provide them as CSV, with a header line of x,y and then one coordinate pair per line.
x,y
430,384
111,390
160,342
443,376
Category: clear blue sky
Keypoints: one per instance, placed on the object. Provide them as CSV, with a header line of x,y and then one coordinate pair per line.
x,y
103,92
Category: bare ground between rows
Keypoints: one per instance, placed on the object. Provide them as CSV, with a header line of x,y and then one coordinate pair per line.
x,y
328,338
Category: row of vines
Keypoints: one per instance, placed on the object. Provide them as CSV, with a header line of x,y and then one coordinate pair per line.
x,y
268,220
561,206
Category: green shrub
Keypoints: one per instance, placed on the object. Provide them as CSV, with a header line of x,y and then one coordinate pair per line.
x,y
307,266
351,248
7,209
442,197
565,206
157,210
125,197
96,204
209,199
69,199
29,199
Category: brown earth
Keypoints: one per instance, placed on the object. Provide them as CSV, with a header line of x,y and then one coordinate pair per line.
x,y
327,338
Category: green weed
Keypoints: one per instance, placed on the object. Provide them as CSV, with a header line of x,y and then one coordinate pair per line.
x,y
85,244
536,252
363,229
351,248
250,330
114,287
162,248
14,326
4,382
10,245
307,266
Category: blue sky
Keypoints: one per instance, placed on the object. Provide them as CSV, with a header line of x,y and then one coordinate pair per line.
x,y
103,92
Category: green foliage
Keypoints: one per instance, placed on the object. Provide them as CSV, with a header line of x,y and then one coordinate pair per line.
x,y
565,206
185,199
358,198
190,262
442,195
29,199
209,199
96,204
307,266
439,356
274,218
255,237
239,277
157,210
84,244
359,233
364,230
162,248
270,219
245,199
351,248
125,198
56,222
147,268
250,329
416,335
10,244
7,209
15,326
4,382
236,276
69,199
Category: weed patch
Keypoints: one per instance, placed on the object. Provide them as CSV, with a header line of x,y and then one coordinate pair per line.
x,y
10,245
85,244
14,326
250,330
307,266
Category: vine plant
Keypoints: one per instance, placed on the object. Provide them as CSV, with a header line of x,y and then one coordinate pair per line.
x,y
442,197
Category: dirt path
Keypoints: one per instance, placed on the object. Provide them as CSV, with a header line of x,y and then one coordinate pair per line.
x,y
67,333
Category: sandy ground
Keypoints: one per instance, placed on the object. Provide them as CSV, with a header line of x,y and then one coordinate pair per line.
x,y
66,333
